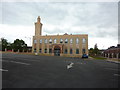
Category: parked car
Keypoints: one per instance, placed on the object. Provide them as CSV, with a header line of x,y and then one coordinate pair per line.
x,y
84,56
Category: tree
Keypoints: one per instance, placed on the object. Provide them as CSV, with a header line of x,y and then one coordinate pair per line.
x,y
4,44
96,50
19,45
91,51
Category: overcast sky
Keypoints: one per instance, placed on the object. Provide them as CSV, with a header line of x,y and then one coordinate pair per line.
x,y
97,19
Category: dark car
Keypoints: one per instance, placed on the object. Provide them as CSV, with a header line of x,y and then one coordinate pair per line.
x,y
84,56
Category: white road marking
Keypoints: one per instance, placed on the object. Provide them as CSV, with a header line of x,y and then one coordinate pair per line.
x,y
3,60
15,62
112,69
20,62
70,65
116,75
3,70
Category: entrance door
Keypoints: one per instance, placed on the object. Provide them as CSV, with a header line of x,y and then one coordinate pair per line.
x,y
57,51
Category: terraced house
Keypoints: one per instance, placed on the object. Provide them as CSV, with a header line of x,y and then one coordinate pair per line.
x,y
59,45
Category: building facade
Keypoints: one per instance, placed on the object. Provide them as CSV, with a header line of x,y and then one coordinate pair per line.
x,y
59,45
112,52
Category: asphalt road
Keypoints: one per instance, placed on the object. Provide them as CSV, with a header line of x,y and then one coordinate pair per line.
x,y
29,71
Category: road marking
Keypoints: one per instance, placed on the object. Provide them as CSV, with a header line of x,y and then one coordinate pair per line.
x,y
20,62
70,65
15,62
3,70
112,69
116,75
3,60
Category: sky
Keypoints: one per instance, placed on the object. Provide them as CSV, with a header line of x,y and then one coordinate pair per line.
x,y
97,19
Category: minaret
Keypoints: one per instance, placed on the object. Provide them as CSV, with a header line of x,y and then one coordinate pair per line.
x,y
38,27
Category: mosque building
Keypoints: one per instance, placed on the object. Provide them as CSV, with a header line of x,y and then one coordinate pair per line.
x,y
59,45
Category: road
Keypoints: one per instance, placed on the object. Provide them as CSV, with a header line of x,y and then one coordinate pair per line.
x,y
29,71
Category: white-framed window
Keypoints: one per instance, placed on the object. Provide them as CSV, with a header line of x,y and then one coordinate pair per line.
x,y
35,41
61,40
40,40
71,40
45,40
50,40
55,40
83,40
66,40
77,40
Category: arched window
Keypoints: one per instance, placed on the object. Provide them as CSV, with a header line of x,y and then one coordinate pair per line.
x,y
66,40
71,40
50,40
45,40
70,51
50,50
34,49
65,52
83,51
40,50
45,50
61,40
55,40
83,40
40,40
35,41
77,40
77,51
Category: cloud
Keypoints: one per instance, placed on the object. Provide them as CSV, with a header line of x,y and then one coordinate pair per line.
x,y
11,33
98,20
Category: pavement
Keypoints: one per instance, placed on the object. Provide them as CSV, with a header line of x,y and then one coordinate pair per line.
x,y
113,61
30,71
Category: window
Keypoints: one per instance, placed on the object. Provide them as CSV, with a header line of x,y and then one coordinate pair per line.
x,y
83,51
71,40
35,50
77,40
77,51
55,40
40,50
45,40
40,40
66,40
65,51
70,51
35,41
61,40
50,41
45,50
83,40
50,50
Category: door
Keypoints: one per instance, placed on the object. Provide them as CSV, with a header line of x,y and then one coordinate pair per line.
x,y
57,51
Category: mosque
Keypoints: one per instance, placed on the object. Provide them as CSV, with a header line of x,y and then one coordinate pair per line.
x,y
59,45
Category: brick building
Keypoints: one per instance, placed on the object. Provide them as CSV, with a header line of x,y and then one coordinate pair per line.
x,y
113,52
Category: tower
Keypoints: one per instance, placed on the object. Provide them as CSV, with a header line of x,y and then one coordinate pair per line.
x,y
38,27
